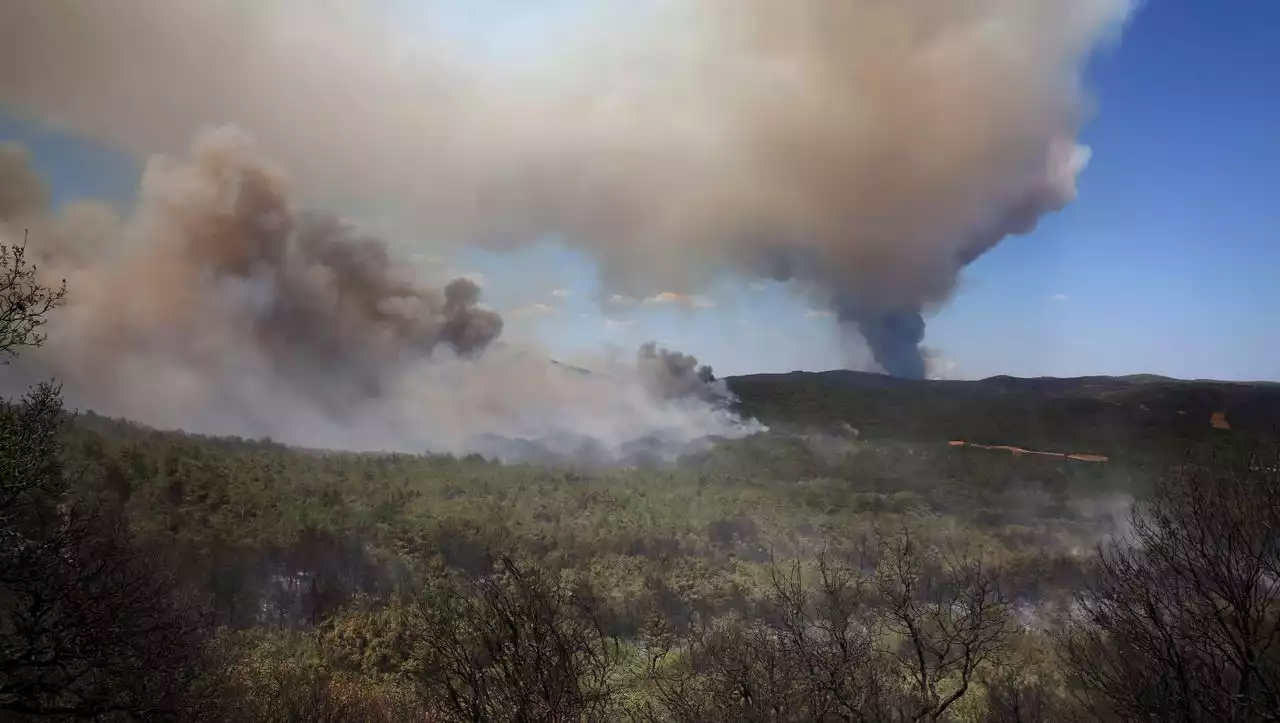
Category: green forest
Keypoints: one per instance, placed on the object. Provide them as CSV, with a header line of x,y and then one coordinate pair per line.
x,y
851,564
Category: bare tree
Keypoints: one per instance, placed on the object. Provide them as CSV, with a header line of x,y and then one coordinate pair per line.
x,y
516,646
902,642
951,620
808,656
727,670
29,430
1183,620
24,302
1015,697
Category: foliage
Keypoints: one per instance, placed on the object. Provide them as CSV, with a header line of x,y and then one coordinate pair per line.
x,y
258,676
897,633
1135,420
750,581
518,645
1183,621
89,626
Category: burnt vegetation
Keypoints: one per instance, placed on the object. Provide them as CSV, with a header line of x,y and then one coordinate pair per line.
x,y
808,574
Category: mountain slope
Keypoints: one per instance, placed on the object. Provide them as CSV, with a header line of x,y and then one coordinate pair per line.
x,y
1116,416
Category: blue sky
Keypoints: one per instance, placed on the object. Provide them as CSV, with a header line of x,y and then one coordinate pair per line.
x,y
1167,263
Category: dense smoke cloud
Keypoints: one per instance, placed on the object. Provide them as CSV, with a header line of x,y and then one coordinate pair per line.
x,y
865,149
674,375
894,337
218,307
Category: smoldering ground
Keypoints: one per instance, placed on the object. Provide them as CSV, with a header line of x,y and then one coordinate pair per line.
x,y
219,307
866,150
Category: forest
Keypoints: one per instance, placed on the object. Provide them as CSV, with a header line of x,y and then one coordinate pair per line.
x,y
850,564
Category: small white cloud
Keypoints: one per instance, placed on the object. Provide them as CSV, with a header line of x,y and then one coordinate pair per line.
x,y
819,314
617,325
1060,297
620,300
561,293
758,285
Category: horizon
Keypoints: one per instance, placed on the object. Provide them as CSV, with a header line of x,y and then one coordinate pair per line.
x,y
1173,204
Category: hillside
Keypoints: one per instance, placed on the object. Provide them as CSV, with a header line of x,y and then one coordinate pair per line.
x,y
314,578
1129,418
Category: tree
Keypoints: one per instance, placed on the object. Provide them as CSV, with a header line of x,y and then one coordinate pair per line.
x,y
30,455
267,677
90,626
1183,620
24,302
30,430
809,656
1015,697
952,620
896,632
519,645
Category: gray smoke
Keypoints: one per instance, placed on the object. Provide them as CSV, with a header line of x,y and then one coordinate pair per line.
x,y
673,375
320,301
219,307
877,145
893,336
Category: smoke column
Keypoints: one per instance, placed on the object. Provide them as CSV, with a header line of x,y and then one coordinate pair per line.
x,y
866,150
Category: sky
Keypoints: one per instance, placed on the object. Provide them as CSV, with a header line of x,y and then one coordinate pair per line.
x,y
1166,263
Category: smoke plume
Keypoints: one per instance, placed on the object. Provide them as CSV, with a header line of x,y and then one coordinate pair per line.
x,y
219,307
865,149
673,375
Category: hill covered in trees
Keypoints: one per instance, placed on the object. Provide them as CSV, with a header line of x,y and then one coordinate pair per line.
x,y
850,564
1142,418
